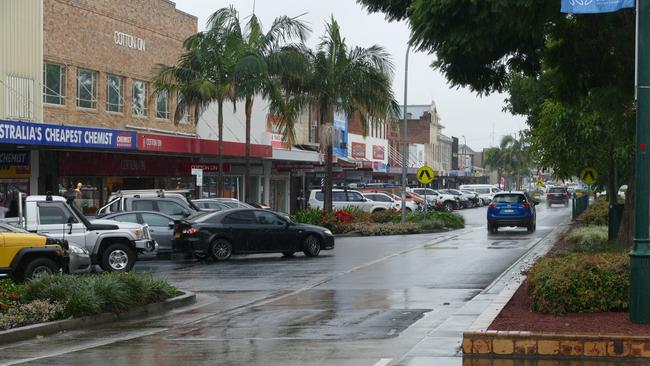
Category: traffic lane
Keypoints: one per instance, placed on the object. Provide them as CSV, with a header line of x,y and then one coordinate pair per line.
x,y
546,216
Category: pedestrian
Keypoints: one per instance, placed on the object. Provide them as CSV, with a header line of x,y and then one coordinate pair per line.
x,y
78,197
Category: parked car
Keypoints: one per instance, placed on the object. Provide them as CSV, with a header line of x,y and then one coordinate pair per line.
x,y
512,208
474,197
414,206
557,195
485,191
246,231
389,202
219,204
161,226
463,200
24,255
171,203
345,198
437,200
393,190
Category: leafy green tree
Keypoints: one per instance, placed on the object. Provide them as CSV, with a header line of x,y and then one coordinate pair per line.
x,y
204,74
340,78
255,50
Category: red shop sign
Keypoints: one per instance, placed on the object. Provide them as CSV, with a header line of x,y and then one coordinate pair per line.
x,y
207,168
153,142
126,165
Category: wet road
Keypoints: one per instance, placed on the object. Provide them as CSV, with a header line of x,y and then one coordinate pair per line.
x,y
372,301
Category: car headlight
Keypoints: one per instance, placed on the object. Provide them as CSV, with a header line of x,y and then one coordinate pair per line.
x,y
137,233
77,250
328,232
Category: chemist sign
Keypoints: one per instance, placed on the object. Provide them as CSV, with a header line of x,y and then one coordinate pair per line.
x,y
24,133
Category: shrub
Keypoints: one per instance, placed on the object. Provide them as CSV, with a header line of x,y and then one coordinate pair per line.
x,y
588,238
579,282
387,229
10,294
386,216
597,213
311,216
447,219
93,294
37,311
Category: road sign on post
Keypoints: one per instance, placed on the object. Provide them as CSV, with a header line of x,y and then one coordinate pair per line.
x,y
199,180
425,175
589,176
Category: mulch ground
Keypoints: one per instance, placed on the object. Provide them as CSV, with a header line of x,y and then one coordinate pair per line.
x,y
517,316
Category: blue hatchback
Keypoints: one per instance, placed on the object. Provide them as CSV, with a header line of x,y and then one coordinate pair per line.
x,y
511,209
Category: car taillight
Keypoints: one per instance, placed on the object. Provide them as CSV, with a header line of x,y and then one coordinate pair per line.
x,y
492,205
190,231
548,195
525,205
565,194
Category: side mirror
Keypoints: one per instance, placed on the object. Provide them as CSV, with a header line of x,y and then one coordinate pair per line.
x,y
171,224
71,220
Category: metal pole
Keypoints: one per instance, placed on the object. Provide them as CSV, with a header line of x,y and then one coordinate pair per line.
x,y
640,255
405,144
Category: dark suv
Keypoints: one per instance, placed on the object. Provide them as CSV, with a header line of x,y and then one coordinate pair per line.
x,y
558,195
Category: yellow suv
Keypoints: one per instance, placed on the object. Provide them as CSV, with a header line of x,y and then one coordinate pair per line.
x,y
25,255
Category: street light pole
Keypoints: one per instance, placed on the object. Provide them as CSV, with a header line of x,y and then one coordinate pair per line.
x,y
405,145
640,254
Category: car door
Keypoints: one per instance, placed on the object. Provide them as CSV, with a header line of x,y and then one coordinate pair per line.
x,y
242,228
53,220
355,199
273,234
172,208
159,229
339,200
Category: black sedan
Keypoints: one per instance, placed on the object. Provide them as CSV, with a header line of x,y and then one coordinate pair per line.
x,y
246,231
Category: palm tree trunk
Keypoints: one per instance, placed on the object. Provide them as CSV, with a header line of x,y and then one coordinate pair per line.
x,y
247,161
220,180
327,121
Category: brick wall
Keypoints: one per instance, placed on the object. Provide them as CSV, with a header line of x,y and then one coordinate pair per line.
x,y
80,34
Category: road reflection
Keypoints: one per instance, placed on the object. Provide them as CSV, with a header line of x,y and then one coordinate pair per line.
x,y
550,362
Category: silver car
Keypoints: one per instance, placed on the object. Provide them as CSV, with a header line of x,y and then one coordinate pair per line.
x,y
160,225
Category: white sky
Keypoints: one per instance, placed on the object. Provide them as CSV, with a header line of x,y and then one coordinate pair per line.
x,y
480,120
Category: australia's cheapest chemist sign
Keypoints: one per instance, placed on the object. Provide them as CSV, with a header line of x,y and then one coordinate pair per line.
x,y
15,132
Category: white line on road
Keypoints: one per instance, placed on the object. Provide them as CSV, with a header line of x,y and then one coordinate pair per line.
x,y
383,362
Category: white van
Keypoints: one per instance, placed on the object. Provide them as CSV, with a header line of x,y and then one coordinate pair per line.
x,y
485,191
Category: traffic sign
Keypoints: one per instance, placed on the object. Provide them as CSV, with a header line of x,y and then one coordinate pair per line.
x,y
589,176
539,183
425,175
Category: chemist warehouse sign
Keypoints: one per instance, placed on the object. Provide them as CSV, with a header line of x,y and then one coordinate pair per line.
x,y
14,132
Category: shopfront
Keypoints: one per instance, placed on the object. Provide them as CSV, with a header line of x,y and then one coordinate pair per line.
x,y
14,178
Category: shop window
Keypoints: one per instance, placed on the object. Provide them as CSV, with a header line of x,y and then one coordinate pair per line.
x,y
86,88
54,84
20,97
139,98
114,93
162,104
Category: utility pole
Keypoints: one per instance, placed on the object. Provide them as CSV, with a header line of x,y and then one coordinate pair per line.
x,y
405,144
640,255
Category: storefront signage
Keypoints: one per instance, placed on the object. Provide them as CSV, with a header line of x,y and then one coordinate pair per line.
x,y
129,41
14,164
206,168
378,152
189,145
358,150
15,132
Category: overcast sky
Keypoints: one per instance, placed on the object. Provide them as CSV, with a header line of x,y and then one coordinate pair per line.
x,y
480,120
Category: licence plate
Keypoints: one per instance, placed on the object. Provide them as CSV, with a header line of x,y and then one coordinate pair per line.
x,y
177,235
508,211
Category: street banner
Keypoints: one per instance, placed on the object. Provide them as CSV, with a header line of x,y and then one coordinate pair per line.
x,y
595,6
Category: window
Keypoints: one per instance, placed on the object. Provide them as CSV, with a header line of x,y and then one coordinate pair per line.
x,y
86,88
185,117
142,205
126,218
338,197
139,98
240,218
52,214
355,197
54,84
268,218
114,94
20,97
313,131
162,105
509,198
381,198
171,208
155,220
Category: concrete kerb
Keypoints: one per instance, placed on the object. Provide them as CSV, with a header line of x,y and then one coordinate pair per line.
x,y
43,329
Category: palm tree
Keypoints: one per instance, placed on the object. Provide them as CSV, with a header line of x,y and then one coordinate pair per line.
x,y
254,49
337,79
510,158
204,74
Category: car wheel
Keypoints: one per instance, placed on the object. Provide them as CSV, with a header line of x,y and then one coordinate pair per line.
x,y
311,246
40,267
117,258
220,250
489,228
288,254
495,229
449,206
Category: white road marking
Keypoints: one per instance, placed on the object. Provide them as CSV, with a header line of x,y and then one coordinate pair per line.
x,y
383,362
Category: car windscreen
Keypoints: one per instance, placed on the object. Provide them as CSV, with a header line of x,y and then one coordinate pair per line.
x,y
509,198
482,190
556,190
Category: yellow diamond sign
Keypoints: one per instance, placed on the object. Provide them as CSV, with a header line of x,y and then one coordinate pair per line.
x,y
589,176
425,175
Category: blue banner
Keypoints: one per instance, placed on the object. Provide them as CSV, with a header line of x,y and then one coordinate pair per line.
x,y
25,133
595,6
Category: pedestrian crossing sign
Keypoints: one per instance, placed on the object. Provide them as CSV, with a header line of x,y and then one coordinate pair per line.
x,y
425,175
589,176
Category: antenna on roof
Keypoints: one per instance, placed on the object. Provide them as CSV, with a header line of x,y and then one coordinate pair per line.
x,y
253,6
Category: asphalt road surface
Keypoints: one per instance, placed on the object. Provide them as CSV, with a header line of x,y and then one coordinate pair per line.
x,y
395,300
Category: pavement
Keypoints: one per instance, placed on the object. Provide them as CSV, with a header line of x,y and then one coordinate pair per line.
x,y
396,300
